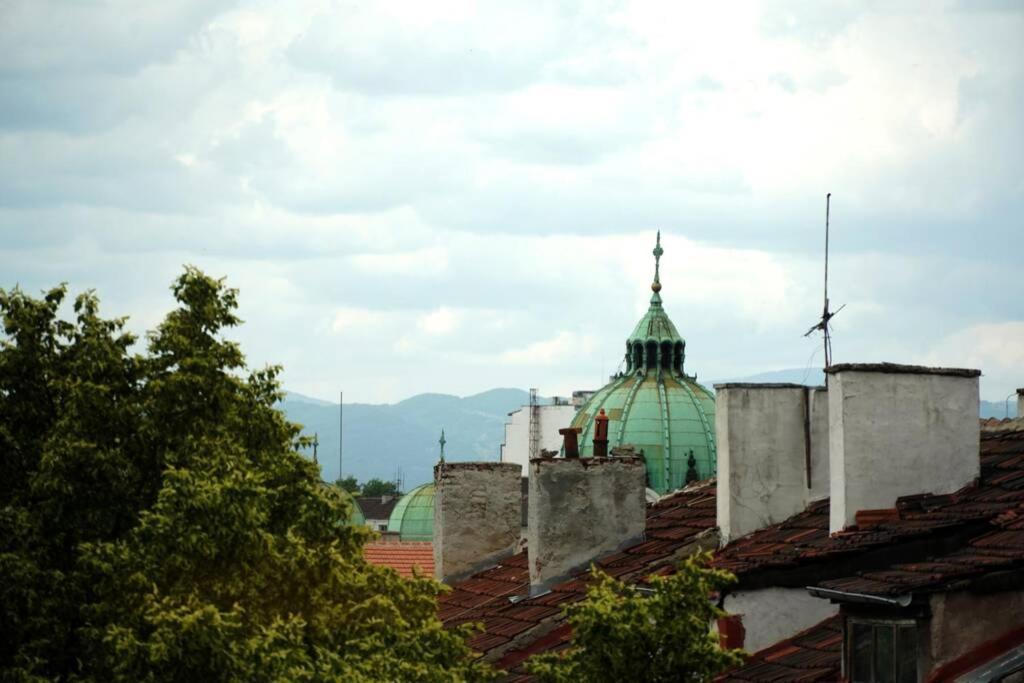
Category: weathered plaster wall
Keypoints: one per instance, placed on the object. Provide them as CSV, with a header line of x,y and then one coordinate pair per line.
x,y
582,508
898,433
773,614
761,436
477,515
516,448
818,397
963,621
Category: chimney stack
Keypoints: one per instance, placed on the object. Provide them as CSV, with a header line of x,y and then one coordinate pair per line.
x,y
582,508
477,516
898,430
1020,402
601,435
772,453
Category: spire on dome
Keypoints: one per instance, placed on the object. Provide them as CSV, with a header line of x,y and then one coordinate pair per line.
x,y
442,442
656,285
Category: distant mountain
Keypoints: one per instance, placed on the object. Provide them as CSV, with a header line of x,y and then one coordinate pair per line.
x,y
380,439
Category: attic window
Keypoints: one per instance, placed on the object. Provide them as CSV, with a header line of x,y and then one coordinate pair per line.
x,y
881,651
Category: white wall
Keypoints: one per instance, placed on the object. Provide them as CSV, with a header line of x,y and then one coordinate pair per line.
x,y
819,444
774,614
898,433
516,448
761,435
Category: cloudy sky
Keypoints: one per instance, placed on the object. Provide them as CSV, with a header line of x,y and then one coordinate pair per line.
x,y
453,196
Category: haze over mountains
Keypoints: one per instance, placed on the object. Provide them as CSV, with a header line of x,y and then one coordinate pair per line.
x,y
383,440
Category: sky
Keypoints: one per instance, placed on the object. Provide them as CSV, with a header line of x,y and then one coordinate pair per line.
x,y
452,196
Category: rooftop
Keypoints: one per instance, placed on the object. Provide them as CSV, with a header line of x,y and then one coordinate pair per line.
x,y
402,556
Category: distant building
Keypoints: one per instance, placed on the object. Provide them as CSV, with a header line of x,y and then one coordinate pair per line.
x,y
412,518
534,428
377,510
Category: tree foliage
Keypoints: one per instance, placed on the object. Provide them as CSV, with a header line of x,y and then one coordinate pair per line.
x,y
378,487
620,634
348,484
156,523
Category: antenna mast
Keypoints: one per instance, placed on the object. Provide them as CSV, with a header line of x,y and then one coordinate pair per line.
x,y
826,315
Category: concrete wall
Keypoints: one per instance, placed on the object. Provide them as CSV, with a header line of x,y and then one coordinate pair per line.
x,y
774,614
761,434
962,621
477,515
818,397
896,431
516,448
580,509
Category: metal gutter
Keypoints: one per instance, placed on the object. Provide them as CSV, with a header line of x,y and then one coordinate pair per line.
x,y
845,596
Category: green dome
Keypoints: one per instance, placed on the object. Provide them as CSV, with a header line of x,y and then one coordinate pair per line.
x,y
356,518
413,516
654,405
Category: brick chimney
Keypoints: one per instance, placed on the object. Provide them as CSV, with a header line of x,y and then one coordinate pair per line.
x,y
477,516
772,453
898,430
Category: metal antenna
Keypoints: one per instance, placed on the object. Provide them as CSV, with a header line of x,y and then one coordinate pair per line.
x,y
341,429
826,315
316,444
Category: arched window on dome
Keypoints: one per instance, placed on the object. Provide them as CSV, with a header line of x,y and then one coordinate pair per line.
x,y
677,357
651,361
665,357
638,356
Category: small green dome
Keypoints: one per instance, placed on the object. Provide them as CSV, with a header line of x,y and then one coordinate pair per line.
x,y
413,516
654,405
356,518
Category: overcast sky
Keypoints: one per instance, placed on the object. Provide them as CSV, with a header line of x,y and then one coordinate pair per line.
x,y
453,196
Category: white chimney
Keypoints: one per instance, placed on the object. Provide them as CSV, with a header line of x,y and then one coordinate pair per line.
x,y
899,430
772,453
477,516
580,509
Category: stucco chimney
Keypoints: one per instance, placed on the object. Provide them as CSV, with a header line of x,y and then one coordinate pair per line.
x,y
898,430
477,516
580,509
1020,402
772,453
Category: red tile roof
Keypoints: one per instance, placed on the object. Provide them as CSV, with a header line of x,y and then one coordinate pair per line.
x,y
515,630
796,552
921,525
402,556
811,655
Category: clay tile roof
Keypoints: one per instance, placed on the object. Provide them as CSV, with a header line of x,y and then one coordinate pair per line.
x,y
513,630
803,540
811,655
402,556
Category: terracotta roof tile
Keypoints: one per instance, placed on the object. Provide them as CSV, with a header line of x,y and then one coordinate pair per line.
x,y
402,557
811,655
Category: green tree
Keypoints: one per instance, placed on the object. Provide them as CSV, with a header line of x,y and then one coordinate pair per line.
x,y
621,634
377,487
348,484
156,523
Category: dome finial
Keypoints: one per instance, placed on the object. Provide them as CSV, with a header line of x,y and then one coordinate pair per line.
x,y
442,442
658,251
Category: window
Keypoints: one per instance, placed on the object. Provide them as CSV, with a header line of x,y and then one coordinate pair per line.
x,y
881,651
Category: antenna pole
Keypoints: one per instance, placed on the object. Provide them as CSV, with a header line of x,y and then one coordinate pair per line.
x,y
825,315
341,428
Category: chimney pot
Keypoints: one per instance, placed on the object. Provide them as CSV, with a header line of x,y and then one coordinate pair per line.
x,y
601,435
571,441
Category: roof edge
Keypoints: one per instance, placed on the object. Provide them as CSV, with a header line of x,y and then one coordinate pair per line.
x,y
900,369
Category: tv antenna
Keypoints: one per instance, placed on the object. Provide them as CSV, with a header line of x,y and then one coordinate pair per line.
x,y
826,315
